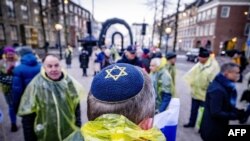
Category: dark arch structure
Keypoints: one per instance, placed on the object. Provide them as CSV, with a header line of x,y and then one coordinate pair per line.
x,y
113,38
107,24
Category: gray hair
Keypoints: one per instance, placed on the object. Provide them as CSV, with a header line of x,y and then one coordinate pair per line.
x,y
135,109
228,66
156,61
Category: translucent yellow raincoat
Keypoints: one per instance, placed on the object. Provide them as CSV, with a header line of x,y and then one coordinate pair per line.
x,y
200,76
113,127
172,71
54,103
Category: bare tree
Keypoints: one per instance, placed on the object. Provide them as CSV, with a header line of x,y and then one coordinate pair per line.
x,y
176,24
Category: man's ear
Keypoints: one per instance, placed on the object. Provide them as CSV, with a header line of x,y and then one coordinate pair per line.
x,y
146,123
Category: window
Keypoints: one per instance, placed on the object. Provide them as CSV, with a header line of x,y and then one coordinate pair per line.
x,y
66,8
24,10
199,17
43,2
2,35
225,10
13,33
10,8
214,12
208,14
203,16
76,10
70,7
247,28
36,11
35,1
206,33
61,7
211,30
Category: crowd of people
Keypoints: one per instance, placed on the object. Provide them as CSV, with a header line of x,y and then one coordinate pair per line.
x,y
48,99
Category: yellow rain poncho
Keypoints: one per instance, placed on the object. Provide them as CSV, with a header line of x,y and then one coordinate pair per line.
x,y
200,76
113,127
172,71
54,103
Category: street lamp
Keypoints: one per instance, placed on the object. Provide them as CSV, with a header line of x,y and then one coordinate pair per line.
x,y
58,28
168,31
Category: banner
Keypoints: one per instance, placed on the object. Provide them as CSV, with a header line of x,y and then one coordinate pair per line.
x,y
167,121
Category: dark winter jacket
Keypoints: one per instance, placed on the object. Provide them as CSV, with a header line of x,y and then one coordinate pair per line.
x,y
84,59
22,75
146,62
135,61
219,109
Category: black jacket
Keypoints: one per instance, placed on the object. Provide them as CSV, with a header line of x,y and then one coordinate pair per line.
x,y
136,61
219,109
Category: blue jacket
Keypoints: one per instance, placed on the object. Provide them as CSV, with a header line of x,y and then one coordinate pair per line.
x,y
28,68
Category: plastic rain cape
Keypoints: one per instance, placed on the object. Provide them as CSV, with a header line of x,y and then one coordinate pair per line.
x,y
54,103
113,127
200,76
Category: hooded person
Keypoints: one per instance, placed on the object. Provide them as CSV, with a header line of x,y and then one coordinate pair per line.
x,y
53,97
199,77
23,73
114,90
7,65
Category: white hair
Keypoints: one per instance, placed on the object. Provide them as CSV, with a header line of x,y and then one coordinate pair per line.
x,y
156,61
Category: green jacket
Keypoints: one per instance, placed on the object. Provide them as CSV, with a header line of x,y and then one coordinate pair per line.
x,y
162,82
172,71
200,76
54,103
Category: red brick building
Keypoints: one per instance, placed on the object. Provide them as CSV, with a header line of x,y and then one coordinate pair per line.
x,y
217,22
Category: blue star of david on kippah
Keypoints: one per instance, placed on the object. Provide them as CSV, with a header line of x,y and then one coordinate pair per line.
x,y
116,76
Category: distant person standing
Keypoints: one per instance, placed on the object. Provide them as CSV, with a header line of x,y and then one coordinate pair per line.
x,y
68,56
84,60
171,60
145,59
23,73
220,104
94,60
199,77
7,65
162,83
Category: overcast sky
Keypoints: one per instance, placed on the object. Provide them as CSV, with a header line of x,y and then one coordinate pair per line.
x,y
132,11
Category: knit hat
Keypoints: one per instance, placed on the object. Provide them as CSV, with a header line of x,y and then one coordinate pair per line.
x,y
131,49
204,53
146,51
9,49
117,82
170,55
25,50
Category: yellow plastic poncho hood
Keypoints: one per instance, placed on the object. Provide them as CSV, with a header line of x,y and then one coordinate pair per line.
x,y
113,127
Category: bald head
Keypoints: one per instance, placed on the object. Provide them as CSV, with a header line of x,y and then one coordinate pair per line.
x,y
52,67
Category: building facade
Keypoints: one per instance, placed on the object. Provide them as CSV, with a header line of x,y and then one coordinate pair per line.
x,y
21,22
214,24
